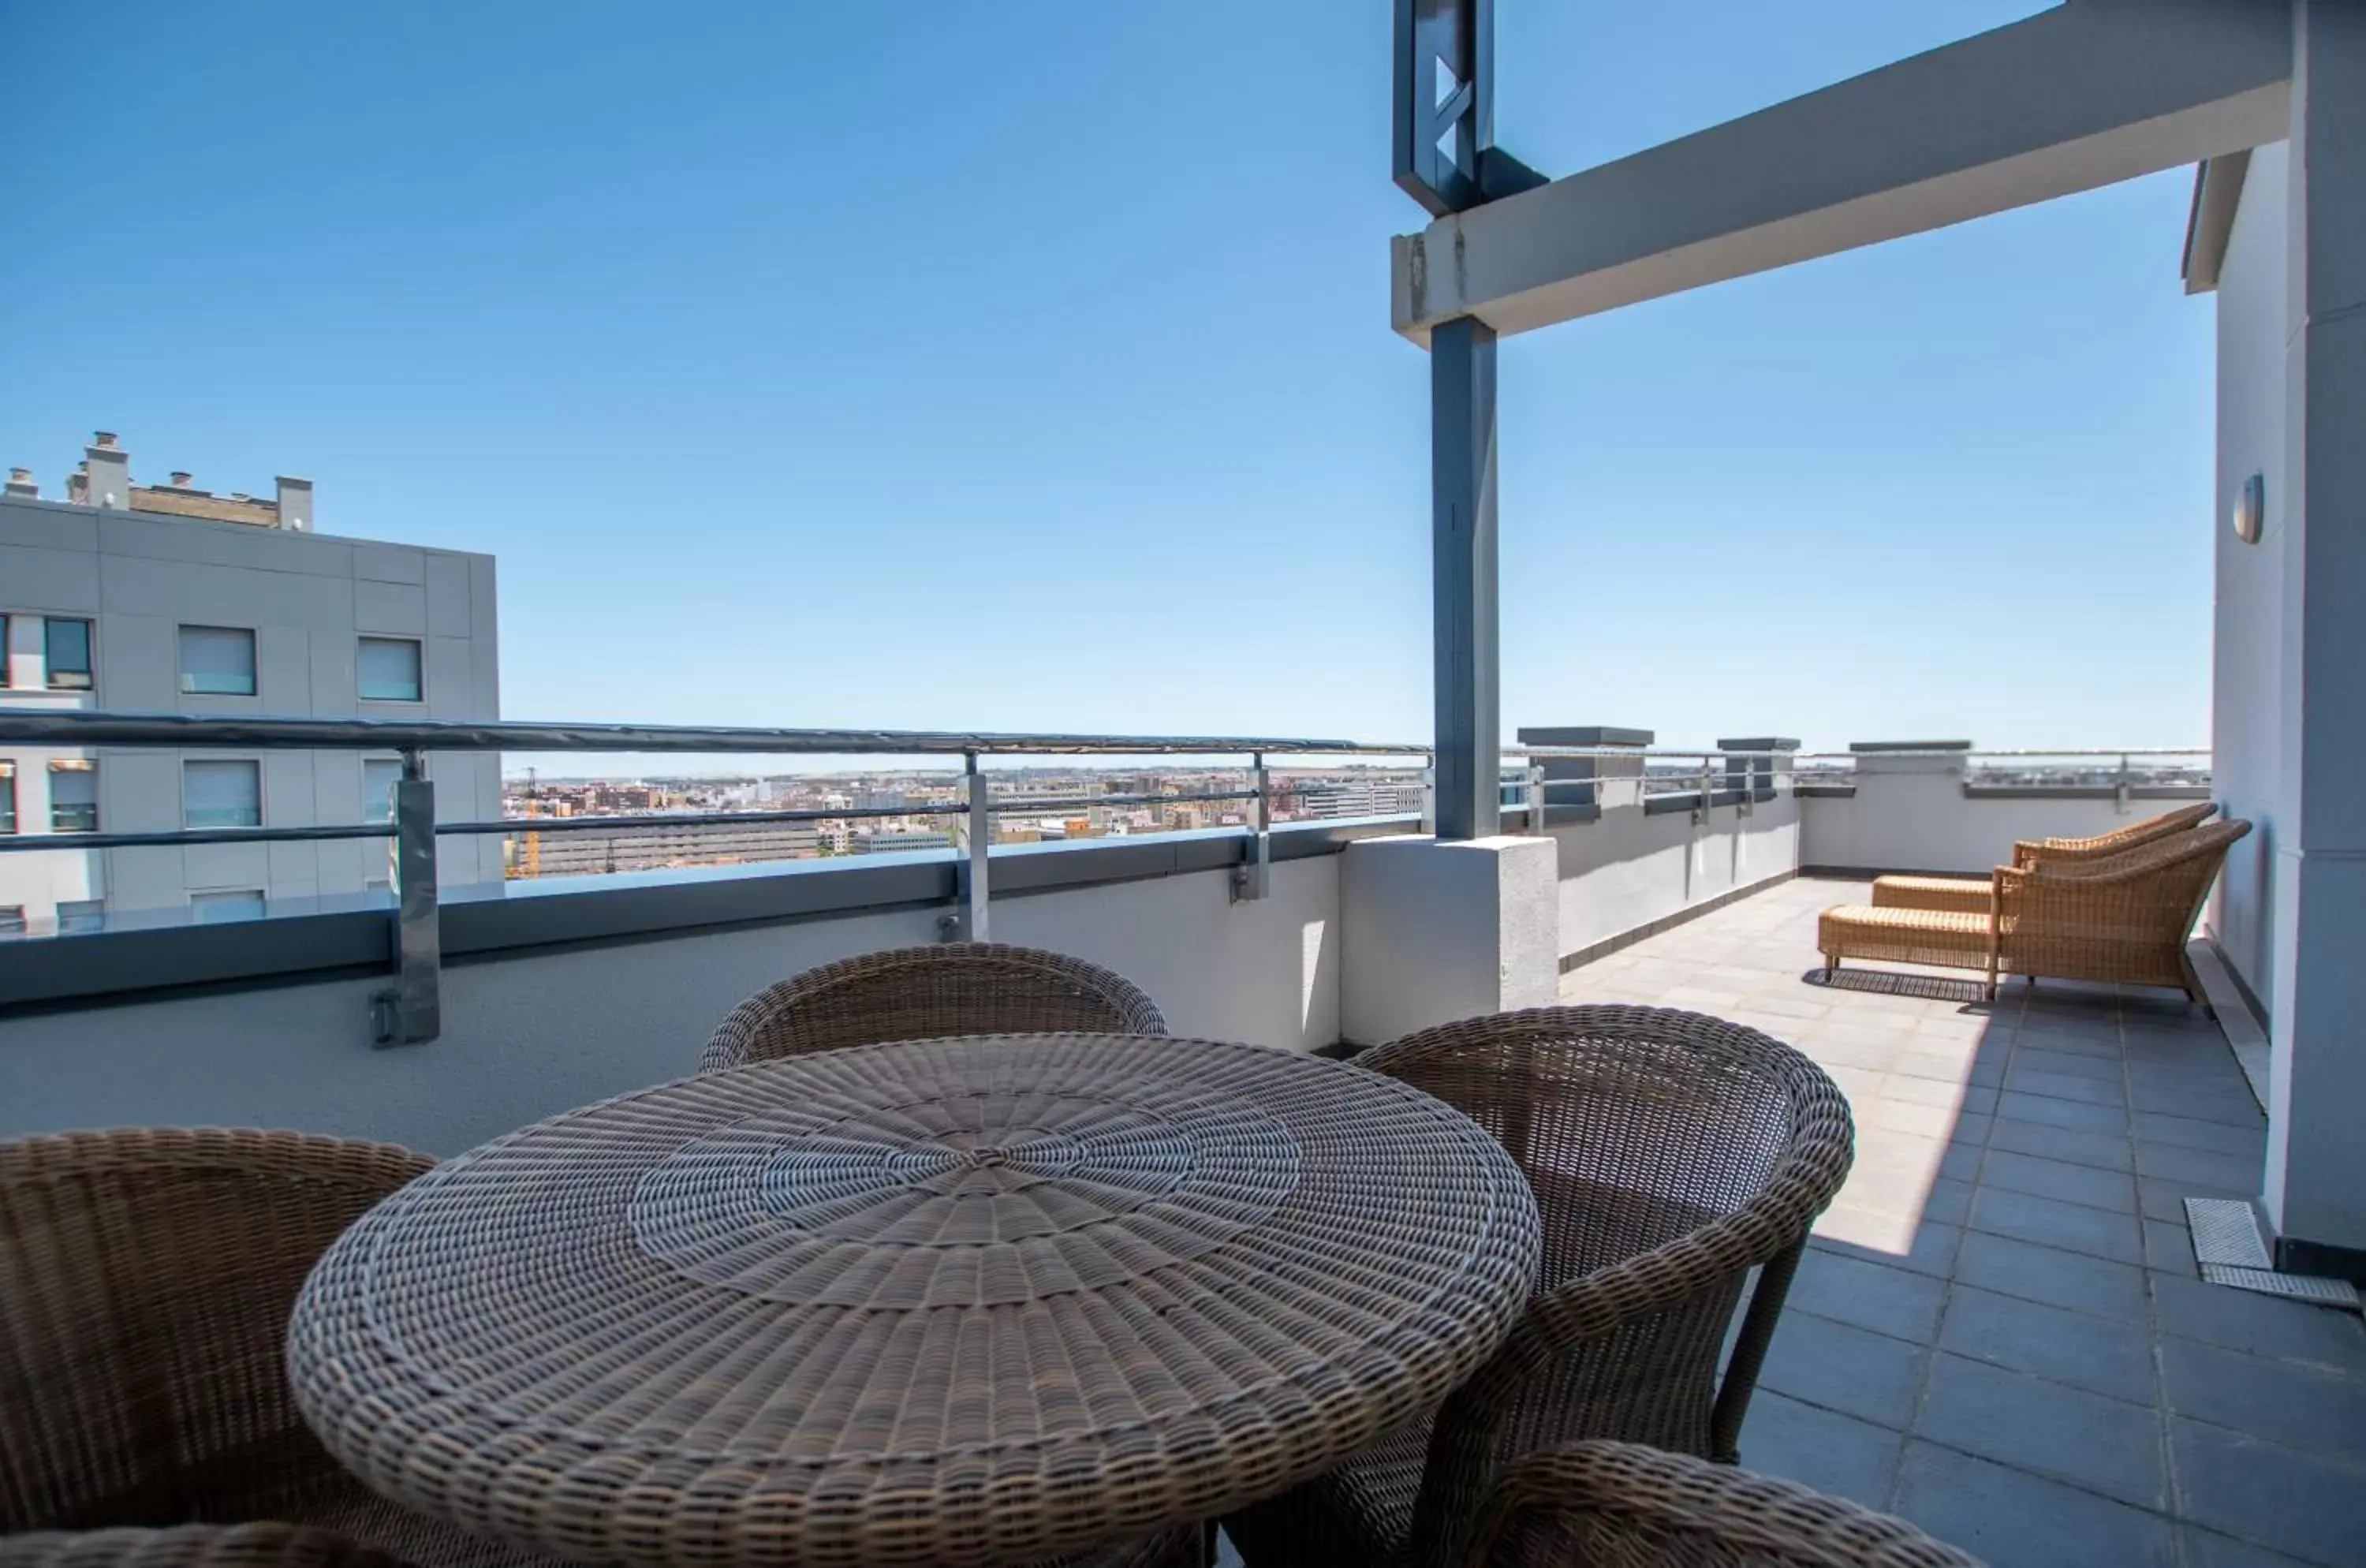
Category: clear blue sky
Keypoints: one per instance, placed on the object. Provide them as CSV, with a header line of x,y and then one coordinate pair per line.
x,y
914,365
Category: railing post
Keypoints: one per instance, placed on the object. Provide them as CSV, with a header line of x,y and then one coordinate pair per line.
x,y
1428,793
980,834
413,1010
1536,796
1707,790
2126,791
1255,879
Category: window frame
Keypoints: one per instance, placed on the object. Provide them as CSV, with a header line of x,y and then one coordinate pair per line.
x,y
253,763
208,898
181,657
388,805
418,646
70,765
7,683
8,823
89,671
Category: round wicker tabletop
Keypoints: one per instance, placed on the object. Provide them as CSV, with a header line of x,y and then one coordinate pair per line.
x,y
967,1301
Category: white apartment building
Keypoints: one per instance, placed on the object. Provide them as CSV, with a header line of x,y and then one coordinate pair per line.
x,y
166,598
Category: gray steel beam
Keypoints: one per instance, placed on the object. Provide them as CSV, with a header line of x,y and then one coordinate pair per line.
x,y
1462,575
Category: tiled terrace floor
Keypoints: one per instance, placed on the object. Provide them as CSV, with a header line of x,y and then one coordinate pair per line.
x,y
1999,1332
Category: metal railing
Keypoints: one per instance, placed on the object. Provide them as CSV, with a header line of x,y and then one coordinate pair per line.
x,y
411,1009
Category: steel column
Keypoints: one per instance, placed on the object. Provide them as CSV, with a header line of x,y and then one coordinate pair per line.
x,y
1254,880
413,1010
980,834
1463,580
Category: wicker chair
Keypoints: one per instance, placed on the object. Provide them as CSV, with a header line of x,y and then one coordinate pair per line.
x,y
1671,1155
2124,920
914,993
1969,894
1616,1504
145,1283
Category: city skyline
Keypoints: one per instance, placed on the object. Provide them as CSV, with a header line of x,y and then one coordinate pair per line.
x,y
743,470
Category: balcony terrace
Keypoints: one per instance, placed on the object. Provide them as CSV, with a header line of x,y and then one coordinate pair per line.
x,y
1999,1331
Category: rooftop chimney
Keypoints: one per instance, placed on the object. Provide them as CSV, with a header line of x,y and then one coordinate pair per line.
x,y
181,478
78,485
295,504
110,472
21,483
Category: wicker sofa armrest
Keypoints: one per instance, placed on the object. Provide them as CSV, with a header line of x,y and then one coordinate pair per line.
x,y
258,1545
1563,1321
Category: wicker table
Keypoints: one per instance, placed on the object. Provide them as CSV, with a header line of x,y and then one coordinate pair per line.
x,y
940,1302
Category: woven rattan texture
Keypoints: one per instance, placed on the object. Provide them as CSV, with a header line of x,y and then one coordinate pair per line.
x,y
982,1299
2122,918
1974,895
145,1283
1671,1153
1621,1506
924,993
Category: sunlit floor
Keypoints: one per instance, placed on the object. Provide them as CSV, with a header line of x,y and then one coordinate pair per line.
x,y
2000,1332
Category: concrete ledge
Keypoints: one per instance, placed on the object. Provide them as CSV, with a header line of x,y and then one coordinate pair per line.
x,y
1434,930
2084,791
1610,945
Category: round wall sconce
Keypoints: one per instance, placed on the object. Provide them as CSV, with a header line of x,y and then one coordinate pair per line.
x,y
2251,509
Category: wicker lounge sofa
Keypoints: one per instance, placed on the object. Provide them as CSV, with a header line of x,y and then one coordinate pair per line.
x,y
1671,1153
2126,920
1617,1503
1969,894
926,993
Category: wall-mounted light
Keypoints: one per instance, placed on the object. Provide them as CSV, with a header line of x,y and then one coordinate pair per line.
x,y
2251,509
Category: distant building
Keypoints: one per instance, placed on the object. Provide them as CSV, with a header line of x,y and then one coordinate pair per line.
x,y
168,598
896,843
593,851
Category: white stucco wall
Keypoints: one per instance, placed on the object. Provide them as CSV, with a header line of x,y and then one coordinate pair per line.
x,y
1629,869
530,1036
308,598
2248,646
1928,823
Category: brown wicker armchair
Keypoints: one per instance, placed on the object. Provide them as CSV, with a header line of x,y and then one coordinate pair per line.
x,y
916,993
145,1283
1671,1153
1618,1505
2124,920
1969,894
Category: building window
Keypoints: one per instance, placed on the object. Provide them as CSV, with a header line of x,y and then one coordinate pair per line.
x,y
7,797
81,914
217,661
389,669
67,647
4,652
245,904
380,776
221,794
12,919
74,797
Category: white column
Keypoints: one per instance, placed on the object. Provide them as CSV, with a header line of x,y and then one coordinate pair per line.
x,y
2315,1184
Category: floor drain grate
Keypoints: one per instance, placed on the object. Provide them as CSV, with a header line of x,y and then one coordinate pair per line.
x,y
2231,1246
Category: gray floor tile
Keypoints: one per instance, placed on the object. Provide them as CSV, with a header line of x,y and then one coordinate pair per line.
x,y
2168,1246
2261,1326
2075,1348
1931,1251
2273,1495
2050,1275
2234,1109
2013,1518
1837,1367
2237,1173
2034,1423
2207,1549
2074,1227
1948,1202
1833,1453
2076,1115
2063,1086
2284,1401
1896,1301
2158,1198
2217,1136
2034,1058
2106,1151
2059,1179
1960,1163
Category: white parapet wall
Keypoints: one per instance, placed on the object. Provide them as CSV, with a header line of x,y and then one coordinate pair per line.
x,y
1437,931
1639,867
1919,812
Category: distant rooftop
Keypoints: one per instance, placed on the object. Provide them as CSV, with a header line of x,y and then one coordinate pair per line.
x,y
103,478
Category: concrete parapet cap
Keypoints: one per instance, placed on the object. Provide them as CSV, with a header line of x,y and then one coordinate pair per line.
x,y
1759,743
1586,735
